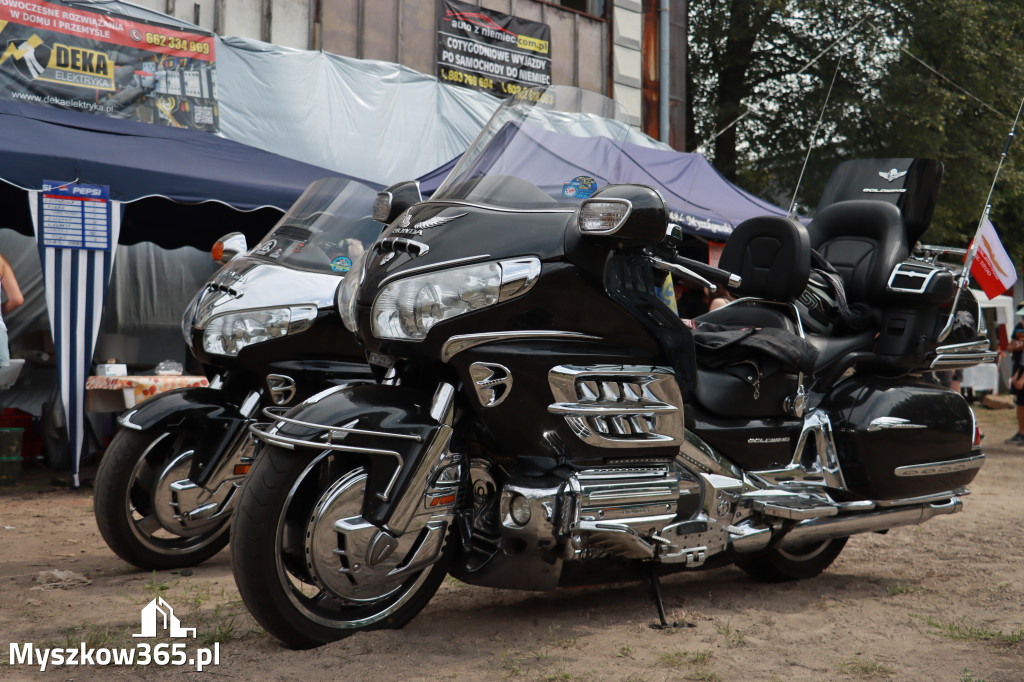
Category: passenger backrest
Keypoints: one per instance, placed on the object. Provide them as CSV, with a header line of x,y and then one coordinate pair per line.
x,y
863,240
771,254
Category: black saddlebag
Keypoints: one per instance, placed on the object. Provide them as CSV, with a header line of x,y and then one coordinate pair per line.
x,y
901,439
749,371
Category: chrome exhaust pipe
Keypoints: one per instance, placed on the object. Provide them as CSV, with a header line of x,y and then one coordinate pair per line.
x,y
821,529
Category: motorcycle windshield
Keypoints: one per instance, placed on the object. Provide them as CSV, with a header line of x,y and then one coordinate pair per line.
x,y
543,148
325,230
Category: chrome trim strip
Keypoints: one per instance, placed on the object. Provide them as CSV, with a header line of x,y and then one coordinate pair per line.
x,y
518,275
910,273
924,499
125,420
963,360
880,423
977,345
577,410
272,412
501,209
457,344
940,468
442,264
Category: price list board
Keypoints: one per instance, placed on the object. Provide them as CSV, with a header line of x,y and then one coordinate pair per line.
x,y
75,216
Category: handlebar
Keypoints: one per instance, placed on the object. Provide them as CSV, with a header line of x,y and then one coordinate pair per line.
x,y
695,271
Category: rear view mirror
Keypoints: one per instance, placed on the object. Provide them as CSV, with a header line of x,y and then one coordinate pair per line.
x,y
229,247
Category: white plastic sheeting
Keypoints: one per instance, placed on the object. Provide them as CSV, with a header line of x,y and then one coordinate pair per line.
x,y
373,120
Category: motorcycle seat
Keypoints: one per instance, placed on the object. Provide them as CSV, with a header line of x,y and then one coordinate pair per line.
x,y
772,255
833,348
863,240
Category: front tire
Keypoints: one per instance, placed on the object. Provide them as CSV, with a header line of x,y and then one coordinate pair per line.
x,y
296,574
782,565
133,502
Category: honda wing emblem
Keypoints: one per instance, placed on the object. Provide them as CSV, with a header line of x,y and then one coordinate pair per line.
x,y
891,175
436,221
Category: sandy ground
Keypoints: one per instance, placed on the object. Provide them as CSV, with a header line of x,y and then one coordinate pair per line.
x,y
941,601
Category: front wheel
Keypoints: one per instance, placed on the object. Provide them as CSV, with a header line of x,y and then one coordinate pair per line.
x,y
781,565
143,499
305,562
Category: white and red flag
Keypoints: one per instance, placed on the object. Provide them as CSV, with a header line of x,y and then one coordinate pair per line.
x,y
992,267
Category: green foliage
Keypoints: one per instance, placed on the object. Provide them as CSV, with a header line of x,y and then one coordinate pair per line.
x,y
887,99
966,632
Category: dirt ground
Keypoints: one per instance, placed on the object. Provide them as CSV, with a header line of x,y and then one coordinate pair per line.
x,y
940,601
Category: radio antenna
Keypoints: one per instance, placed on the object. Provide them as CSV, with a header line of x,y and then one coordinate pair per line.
x,y
965,275
814,136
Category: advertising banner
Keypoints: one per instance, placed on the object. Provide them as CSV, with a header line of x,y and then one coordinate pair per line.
x,y
486,50
105,64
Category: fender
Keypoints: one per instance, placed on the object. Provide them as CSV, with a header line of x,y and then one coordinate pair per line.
x,y
182,407
212,413
400,434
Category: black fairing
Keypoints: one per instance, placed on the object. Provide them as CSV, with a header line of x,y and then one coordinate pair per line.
x,y
883,424
754,444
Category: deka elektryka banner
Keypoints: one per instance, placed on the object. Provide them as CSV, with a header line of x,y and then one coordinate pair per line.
x,y
491,51
106,64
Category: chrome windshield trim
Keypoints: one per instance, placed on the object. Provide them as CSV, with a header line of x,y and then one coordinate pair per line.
x,y
432,266
457,344
501,208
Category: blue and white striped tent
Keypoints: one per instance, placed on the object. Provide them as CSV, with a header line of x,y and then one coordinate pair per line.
x,y
169,186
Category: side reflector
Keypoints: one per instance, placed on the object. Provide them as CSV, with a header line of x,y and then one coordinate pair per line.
x,y
242,469
446,499
217,251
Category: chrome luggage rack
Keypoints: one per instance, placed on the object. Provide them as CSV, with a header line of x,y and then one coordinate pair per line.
x,y
267,433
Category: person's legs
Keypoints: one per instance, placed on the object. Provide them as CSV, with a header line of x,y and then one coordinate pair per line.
x,y
5,352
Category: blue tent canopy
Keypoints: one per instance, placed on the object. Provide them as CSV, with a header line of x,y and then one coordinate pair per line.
x,y
184,187
699,198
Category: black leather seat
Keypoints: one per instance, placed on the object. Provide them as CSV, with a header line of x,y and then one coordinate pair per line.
x,y
772,255
863,240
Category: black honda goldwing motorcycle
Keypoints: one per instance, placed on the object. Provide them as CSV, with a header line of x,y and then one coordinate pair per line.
x,y
541,419
267,332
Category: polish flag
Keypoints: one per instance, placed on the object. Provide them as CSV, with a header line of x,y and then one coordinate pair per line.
x,y
992,267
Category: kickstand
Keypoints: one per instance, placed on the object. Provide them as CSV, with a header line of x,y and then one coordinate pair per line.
x,y
655,588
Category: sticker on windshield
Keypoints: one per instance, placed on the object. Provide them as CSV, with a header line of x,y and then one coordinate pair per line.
x,y
580,187
266,248
341,264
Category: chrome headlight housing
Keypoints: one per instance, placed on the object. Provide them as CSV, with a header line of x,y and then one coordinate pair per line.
x,y
229,333
346,297
408,308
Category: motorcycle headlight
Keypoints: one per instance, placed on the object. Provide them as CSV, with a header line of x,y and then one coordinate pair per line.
x,y
407,308
347,292
229,333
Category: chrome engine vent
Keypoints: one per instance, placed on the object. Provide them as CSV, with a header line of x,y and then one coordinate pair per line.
x,y
619,406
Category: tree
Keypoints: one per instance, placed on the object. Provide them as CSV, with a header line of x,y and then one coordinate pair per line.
x,y
925,78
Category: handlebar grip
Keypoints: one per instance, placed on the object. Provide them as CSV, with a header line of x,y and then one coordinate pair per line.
x,y
710,272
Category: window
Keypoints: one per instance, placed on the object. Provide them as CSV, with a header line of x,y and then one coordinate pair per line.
x,y
592,7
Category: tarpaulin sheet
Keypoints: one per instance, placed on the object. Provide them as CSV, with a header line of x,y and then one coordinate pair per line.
x,y
699,198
